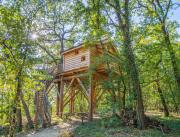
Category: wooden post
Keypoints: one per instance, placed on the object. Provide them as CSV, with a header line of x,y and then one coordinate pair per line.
x,y
91,95
61,97
58,99
72,101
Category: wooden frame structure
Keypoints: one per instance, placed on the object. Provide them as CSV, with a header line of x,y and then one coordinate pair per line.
x,y
75,71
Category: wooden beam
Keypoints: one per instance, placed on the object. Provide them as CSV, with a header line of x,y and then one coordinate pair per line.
x,y
73,79
94,100
61,97
70,98
58,100
73,71
66,98
101,75
91,95
56,80
75,76
50,89
71,104
100,95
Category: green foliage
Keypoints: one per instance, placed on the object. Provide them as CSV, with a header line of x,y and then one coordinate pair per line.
x,y
92,129
95,128
110,122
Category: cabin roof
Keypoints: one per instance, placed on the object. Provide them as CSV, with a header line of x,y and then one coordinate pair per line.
x,y
72,48
80,46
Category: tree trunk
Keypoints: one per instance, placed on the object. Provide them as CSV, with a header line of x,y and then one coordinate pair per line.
x,y
135,83
124,93
26,109
111,89
19,119
36,104
124,99
166,111
41,109
120,98
114,102
174,99
17,102
62,48
133,70
46,107
172,56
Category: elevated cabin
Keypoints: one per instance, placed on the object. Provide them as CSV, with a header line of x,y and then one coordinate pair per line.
x,y
73,73
82,57
76,58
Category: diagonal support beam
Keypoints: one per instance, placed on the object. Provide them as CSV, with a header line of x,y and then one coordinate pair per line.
x,y
66,98
100,95
50,89
69,86
84,89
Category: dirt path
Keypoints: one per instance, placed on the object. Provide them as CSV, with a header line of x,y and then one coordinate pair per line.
x,y
49,132
53,131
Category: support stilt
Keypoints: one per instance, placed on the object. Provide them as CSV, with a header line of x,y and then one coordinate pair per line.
x,y
58,99
61,97
91,94
72,101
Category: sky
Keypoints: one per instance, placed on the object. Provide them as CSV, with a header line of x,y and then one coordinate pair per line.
x,y
176,15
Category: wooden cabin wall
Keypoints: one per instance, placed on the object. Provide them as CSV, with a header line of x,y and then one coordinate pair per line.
x,y
93,54
73,60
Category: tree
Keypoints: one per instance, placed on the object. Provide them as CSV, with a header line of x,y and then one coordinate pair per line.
x,y
19,55
122,10
159,10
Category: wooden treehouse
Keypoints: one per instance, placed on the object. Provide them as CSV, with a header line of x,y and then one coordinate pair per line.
x,y
82,68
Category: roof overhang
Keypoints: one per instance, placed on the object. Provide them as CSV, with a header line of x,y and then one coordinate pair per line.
x,y
83,45
71,49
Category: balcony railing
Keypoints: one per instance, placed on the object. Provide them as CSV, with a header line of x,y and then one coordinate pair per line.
x,y
59,68
56,69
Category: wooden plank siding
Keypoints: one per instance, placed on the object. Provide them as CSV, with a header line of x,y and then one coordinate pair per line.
x,y
94,55
74,61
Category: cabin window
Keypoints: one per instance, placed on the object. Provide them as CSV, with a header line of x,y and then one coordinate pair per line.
x,y
76,52
83,58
